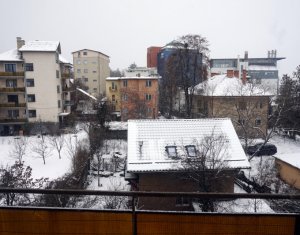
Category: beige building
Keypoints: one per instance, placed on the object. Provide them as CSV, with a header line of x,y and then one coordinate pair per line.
x,y
34,85
91,68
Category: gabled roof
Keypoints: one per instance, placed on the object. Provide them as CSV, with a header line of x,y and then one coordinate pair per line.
x,y
11,55
38,45
147,141
221,85
90,50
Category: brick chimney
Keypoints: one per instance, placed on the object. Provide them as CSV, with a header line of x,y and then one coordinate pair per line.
x,y
20,42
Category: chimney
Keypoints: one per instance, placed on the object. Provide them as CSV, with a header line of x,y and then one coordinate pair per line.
x,y
20,42
246,55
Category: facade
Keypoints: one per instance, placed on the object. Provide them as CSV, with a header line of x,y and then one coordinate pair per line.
x,y
91,68
224,97
34,84
152,53
262,71
289,169
133,97
157,150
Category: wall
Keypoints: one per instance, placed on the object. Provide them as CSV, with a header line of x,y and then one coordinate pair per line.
x,y
288,173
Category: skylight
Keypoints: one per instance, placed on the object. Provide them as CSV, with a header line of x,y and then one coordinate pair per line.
x,y
191,150
171,151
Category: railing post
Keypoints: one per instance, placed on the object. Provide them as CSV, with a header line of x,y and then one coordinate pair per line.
x,y
134,225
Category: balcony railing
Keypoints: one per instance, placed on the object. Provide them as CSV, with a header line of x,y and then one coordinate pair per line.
x,y
65,75
13,120
12,89
113,89
12,105
67,89
16,74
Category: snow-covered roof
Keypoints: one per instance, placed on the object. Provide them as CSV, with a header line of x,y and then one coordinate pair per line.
x,y
290,158
147,141
131,77
87,94
63,60
221,85
11,55
41,46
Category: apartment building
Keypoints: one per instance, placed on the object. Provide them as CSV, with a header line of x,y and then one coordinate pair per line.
x,y
34,85
91,68
133,97
152,53
261,71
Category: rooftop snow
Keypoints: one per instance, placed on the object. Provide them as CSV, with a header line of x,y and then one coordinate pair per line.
x,y
260,67
11,55
155,135
41,46
86,93
221,85
63,60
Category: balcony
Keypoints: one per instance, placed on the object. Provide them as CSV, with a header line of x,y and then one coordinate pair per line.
x,y
12,89
13,74
12,105
65,75
67,89
13,120
68,103
113,89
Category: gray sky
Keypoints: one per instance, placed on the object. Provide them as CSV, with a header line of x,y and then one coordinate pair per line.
x,y
123,29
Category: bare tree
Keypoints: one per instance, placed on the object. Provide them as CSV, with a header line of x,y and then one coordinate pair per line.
x,y
71,147
41,148
57,143
207,165
19,148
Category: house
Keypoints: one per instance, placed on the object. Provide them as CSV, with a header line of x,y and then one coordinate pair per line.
x,y
133,97
91,68
288,167
246,104
262,71
158,151
34,85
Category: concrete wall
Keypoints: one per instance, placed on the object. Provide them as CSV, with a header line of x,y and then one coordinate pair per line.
x,y
288,173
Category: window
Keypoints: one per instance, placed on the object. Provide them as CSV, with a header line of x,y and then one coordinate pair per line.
x,y
171,151
85,53
125,83
95,89
257,122
10,67
182,201
113,86
58,89
13,113
85,70
13,98
86,79
191,150
259,104
32,113
124,97
94,80
57,74
31,98
56,57
78,62
242,105
78,70
148,97
78,53
29,67
85,62
113,98
58,103
148,83
11,83
94,71
30,82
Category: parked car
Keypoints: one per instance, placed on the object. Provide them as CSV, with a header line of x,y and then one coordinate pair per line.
x,y
260,149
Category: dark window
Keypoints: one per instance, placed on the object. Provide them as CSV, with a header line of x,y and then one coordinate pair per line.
x,y
57,74
32,113
10,67
182,201
85,53
113,98
58,103
257,122
58,89
29,67
148,83
30,82
13,113
125,83
113,86
148,97
171,151
31,98
11,83
124,97
13,98
191,150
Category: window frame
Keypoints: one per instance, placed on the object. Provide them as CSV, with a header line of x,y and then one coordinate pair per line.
x,y
31,99
28,67
148,83
31,112
171,154
189,153
29,81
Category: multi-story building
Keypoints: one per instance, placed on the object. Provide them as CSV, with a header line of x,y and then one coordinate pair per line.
x,y
262,71
141,72
152,53
91,68
133,97
34,85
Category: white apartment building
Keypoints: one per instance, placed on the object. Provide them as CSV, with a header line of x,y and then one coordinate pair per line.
x,y
91,68
35,85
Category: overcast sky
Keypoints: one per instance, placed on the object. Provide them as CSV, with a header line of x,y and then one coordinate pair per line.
x,y
123,29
